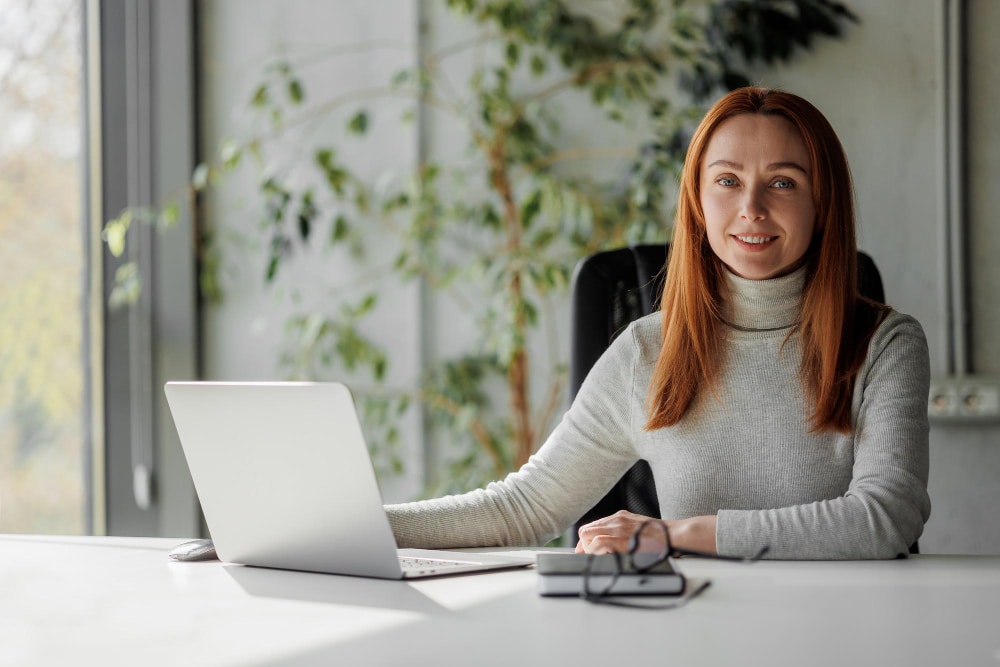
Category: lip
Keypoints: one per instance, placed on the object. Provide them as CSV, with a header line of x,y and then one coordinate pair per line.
x,y
754,247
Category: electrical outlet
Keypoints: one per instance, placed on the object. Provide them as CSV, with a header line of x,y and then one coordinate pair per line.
x,y
964,398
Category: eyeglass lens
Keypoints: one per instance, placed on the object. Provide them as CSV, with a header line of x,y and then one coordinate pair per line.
x,y
649,545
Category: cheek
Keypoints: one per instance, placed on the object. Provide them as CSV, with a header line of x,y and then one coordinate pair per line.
x,y
807,231
715,232
713,211
809,226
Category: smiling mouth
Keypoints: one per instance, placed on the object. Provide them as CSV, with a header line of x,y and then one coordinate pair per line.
x,y
754,240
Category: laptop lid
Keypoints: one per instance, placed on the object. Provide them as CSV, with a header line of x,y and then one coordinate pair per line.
x,y
284,476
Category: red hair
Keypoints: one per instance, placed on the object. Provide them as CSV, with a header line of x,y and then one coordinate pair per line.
x,y
836,322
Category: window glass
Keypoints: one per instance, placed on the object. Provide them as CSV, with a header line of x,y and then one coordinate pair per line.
x,y
42,268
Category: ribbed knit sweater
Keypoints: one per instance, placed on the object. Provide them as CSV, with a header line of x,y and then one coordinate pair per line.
x,y
745,454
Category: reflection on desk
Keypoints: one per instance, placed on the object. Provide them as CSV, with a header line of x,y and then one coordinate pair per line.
x,y
122,601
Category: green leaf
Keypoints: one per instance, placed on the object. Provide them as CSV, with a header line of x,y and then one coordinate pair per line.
x,y
127,286
168,216
558,276
379,365
491,219
530,208
513,53
538,65
358,123
530,312
311,329
208,278
199,179
324,157
401,77
260,97
272,268
307,213
543,238
463,6
367,304
230,151
115,231
361,200
340,230
295,91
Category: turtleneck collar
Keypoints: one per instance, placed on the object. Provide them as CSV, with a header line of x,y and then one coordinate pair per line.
x,y
761,306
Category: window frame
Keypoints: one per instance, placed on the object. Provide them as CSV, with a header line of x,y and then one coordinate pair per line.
x,y
141,102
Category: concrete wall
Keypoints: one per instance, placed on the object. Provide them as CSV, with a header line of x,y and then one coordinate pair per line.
x,y
881,87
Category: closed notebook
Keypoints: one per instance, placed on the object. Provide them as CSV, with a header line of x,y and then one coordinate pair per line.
x,y
563,574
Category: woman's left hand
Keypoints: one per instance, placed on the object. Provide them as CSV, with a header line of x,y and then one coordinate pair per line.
x,y
612,533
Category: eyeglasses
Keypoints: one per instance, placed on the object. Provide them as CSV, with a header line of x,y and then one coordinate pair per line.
x,y
648,548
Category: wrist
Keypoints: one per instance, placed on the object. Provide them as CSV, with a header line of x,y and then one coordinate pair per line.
x,y
697,533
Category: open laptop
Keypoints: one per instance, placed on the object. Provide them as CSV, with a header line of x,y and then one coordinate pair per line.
x,y
286,481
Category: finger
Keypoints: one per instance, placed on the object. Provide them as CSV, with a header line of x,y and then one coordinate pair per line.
x,y
621,521
605,544
610,519
579,547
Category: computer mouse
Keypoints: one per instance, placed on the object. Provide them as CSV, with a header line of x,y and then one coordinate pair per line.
x,y
194,550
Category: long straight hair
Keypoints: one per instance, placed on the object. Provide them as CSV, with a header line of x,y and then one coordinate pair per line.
x,y
836,323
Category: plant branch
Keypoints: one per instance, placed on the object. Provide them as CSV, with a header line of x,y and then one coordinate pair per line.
x,y
551,405
464,45
325,52
580,154
477,427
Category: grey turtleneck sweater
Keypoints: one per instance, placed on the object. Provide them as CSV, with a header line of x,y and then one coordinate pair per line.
x,y
745,455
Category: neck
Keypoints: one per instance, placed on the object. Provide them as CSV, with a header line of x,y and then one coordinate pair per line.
x,y
763,305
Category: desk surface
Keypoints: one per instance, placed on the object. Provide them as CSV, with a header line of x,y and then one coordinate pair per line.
x,y
117,601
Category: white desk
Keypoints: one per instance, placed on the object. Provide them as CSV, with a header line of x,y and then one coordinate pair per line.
x,y
121,601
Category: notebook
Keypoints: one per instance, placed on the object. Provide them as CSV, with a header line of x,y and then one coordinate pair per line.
x,y
285,481
564,574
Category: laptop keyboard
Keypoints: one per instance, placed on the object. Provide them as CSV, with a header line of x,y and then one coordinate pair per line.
x,y
430,565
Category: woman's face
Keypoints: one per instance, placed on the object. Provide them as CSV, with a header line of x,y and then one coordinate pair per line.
x,y
756,194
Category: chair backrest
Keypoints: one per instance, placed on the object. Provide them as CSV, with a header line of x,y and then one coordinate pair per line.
x,y
609,290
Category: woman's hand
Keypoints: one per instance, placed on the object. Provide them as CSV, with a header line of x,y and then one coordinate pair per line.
x,y
612,533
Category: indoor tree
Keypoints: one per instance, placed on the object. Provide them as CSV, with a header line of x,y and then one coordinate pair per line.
x,y
502,235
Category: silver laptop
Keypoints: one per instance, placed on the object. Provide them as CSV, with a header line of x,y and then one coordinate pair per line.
x,y
286,481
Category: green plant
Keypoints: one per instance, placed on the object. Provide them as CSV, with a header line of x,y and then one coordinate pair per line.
x,y
505,237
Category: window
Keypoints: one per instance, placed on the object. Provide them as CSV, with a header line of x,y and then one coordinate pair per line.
x,y
97,102
43,392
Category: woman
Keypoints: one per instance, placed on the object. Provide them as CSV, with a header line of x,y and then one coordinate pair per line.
x,y
775,405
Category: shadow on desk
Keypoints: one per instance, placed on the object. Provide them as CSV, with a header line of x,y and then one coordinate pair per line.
x,y
333,589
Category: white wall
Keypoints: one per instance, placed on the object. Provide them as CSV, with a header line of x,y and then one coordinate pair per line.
x,y
882,89
965,460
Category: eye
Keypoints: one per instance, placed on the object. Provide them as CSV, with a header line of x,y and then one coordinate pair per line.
x,y
726,181
783,184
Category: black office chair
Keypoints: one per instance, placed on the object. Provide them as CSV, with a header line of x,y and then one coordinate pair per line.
x,y
609,290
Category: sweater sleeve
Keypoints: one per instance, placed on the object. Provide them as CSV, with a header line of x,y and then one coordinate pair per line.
x,y
580,461
886,505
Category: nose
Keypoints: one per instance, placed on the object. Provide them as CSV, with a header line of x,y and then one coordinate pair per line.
x,y
752,206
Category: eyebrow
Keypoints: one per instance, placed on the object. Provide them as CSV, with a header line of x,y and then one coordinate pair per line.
x,y
774,166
